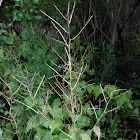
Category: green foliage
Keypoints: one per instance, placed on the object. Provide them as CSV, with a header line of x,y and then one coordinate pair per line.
x,y
47,108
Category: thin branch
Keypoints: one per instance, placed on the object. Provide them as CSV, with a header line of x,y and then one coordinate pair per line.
x,y
94,110
5,83
68,9
80,73
39,86
53,20
20,81
26,106
56,91
72,13
112,109
103,93
82,28
6,98
57,73
17,90
59,55
60,12
60,33
58,41
6,118
55,64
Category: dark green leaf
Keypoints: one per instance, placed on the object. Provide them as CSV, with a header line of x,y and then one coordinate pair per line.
x,y
38,17
1,54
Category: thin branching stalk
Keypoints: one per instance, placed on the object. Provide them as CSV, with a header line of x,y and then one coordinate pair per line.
x,y
71,90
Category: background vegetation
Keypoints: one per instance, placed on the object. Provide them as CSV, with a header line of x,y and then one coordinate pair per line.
x,y
56,85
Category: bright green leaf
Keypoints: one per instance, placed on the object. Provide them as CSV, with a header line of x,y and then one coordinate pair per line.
x,y
56,137
97,91
57,123
46,124
39,101
84,120
90,89
31,10
85,136
20,14
136,111
35,1
29,125
121,100
56,102
47,136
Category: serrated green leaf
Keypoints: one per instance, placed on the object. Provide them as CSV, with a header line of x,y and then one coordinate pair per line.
x,y
129,94
46,124
84,120
85,136
41,133
97,91
32,123
121,100
90,89
29,125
